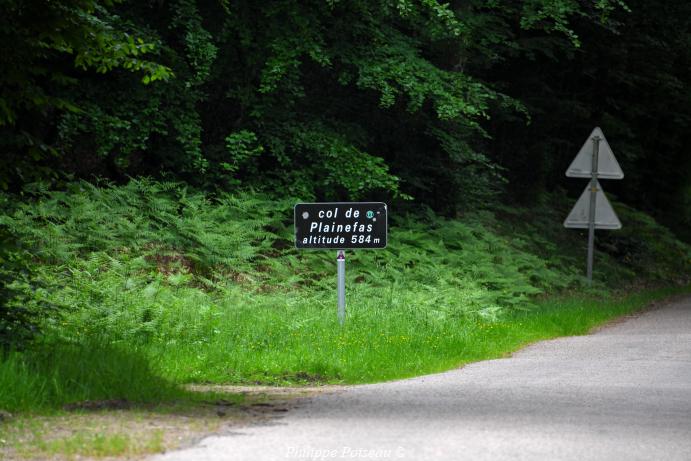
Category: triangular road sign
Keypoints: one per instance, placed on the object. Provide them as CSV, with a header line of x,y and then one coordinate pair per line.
x,y
605,217
607,165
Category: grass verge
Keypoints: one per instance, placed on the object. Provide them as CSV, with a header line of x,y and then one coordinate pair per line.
x,y
51,376
304,344
298,344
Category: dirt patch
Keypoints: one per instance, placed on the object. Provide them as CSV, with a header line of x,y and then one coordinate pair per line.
x,y
118,429
271,392
99,405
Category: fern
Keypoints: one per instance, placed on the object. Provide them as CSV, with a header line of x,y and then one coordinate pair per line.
x,y
152,261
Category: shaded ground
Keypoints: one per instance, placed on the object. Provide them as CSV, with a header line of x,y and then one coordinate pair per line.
x,y
116,429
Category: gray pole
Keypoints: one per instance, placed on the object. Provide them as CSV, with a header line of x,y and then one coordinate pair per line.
x,y
593,204
340,263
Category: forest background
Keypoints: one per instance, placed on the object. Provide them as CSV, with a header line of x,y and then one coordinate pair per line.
x,y
454,105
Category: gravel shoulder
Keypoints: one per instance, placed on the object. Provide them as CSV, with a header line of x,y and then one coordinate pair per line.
x,y
117,430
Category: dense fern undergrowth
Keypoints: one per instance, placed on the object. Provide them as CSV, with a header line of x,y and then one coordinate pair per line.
x,y
203,288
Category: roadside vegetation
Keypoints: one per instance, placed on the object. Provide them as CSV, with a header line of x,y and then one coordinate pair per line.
x,y
127,292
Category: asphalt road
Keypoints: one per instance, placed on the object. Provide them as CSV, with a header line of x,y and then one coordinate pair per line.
x,y
623,393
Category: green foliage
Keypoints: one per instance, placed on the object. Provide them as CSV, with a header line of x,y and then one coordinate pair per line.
x,y
132,261
455,105
36,34
333,99
627,78
322,99
144,218
175,285
242,147
46,48
146,225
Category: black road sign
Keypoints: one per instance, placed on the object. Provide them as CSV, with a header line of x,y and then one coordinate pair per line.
x,y
340,225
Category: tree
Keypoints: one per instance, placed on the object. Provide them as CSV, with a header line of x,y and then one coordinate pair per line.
x,y
629,76
43,46
333,99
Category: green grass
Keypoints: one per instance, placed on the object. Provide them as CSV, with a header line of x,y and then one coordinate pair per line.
x,y
92,375
83,444
301,345
61,374
128,434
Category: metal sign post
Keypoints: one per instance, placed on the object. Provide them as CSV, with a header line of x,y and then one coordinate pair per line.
x,y
593,210
340,264
340,226
593,205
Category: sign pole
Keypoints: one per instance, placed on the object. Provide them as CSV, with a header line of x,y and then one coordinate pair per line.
x,y
340,264
595,160
593,204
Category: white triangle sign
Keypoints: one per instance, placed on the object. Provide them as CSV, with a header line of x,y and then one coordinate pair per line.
x,y
605,217
607,165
